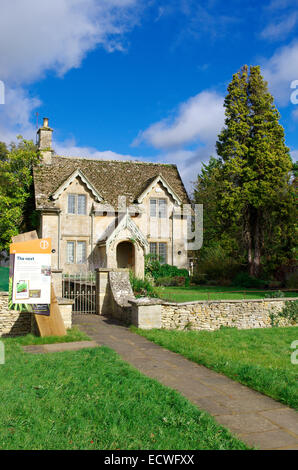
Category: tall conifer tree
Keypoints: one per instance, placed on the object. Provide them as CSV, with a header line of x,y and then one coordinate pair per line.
x,y
256,163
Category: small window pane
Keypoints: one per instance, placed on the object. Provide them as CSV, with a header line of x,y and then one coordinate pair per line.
x,y
162,208
71,204
153,207
162,253
81,204
153,248
70,252
81,252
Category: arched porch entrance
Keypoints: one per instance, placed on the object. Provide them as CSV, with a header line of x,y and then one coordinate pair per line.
x,y
126,255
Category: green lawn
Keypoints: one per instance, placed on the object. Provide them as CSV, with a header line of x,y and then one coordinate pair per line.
x,y
91,399
193,293
4,274
259,358
73,334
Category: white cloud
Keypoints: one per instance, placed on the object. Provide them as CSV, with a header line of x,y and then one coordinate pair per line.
x,y
294,155
280,70
295,114
41,36
15,115
70,149
278,30
37,36
198,119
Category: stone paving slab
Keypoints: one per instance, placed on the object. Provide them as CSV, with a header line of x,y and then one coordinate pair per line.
x,y
255,418
60,347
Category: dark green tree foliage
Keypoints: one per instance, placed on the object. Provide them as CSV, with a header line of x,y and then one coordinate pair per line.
x,y
250,187
256,167
17,211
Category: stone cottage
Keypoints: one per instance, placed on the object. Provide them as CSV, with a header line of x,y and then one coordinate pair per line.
x,y
104,213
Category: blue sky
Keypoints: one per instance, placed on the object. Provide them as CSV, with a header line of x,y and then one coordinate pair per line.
x,y
129,79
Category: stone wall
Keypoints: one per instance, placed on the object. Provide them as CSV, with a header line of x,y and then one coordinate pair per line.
x,y
115,299
121,294
14,323
211,315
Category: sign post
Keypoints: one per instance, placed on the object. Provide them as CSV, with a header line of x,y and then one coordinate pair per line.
x,y
30,279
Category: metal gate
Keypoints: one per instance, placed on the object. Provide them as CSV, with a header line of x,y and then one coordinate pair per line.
x,y
81,288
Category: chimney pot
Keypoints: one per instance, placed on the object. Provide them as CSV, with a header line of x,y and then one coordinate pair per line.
x,y
45,122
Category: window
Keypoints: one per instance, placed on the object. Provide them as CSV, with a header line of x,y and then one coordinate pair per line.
x,y
77,204
153,248
76,252
162,208
70,252
162,252
71,204
153,207
81,252
81,204
159,250
158,208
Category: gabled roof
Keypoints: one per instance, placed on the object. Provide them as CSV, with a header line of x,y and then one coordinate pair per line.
x,y
159,179
122,222
71,178
107,178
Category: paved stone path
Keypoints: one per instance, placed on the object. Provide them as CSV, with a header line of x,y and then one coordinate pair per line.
x,y
254,418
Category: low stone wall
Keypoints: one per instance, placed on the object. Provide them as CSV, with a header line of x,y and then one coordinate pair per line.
x,y
65,306
113,293
211,315
14,323
122,294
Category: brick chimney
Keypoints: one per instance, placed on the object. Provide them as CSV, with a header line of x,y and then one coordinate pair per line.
x,y
44,142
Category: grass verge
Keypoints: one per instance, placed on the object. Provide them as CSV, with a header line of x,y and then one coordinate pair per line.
x,y
193,293
73,334
91,399
259,358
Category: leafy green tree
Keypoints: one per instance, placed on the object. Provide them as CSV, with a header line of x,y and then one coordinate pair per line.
x,y
255,166
16,189
3,151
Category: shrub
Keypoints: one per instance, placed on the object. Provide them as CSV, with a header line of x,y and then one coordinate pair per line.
x,y
157,270
171,281
292,281
290,311
198,279
142,287
274,295
216,264
245,280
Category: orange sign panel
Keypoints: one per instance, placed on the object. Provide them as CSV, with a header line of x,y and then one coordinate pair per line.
x,y
39,246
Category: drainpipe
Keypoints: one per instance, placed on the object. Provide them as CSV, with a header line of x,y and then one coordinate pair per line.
x,y
92,236
59,238
173,237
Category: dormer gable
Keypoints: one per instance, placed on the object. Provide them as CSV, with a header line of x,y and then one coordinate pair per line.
x,y
159,179
77,174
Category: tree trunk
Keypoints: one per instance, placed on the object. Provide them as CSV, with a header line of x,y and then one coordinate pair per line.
x,y
257,239
254,242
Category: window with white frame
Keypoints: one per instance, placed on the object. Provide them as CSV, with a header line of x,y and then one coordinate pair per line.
x,y
158,208
160,250
81,252
162,253
76,252
71,204
77,204
70,252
